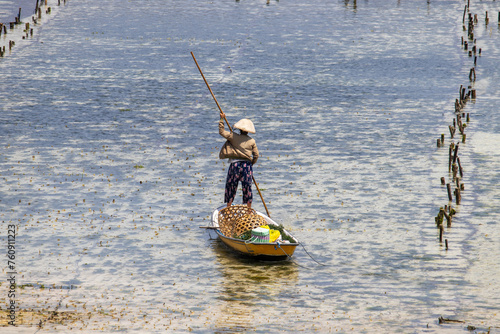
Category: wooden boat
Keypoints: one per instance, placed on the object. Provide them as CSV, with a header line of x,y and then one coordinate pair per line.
x,y
274,250
278,250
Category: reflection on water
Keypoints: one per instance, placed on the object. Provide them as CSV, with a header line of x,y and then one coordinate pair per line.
x,y
248,285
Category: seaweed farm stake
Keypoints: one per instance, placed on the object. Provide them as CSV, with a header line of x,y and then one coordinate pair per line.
x,y
459,123
472,73
455,154
455,170
450,156
448,218
458,196
460,167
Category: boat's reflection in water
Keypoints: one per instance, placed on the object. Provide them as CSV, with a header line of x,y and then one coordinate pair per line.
x,y
248,284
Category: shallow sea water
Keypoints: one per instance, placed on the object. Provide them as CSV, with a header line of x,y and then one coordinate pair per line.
x,y
109,163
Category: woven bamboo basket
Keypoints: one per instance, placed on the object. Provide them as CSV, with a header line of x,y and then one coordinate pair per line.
x,y
237,219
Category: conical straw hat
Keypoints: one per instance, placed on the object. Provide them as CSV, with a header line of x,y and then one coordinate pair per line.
x,y
245,125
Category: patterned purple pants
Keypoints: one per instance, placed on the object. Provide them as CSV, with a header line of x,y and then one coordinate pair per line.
x,y
239,171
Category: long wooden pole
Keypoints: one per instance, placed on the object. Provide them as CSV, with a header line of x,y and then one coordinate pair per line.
x,y
260,194
210,89
220,109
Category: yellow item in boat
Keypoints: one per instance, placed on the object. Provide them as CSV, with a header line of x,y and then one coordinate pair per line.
x,y
273,234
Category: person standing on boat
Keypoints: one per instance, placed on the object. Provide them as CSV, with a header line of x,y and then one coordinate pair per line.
x,y
242,152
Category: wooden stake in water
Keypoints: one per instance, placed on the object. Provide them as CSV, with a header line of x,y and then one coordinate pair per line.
x,y
452,130
448,218
455,154
458,196
460,168
472,73
450,156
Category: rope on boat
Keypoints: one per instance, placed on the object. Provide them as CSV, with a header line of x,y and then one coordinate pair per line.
x,y
291,259
321,264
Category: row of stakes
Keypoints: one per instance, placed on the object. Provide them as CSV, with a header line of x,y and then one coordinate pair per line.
x,y
454,166
27,30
